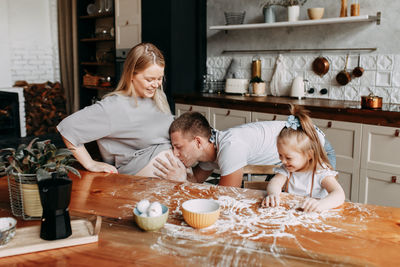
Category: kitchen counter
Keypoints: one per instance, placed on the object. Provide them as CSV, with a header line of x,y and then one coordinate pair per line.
x,y
339,110
354,234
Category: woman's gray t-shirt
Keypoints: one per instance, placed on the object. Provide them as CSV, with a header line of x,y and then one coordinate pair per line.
x,y
128,134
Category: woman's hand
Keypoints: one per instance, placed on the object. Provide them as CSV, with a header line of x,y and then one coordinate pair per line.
x,y
96,166
272,200
312,205
172,170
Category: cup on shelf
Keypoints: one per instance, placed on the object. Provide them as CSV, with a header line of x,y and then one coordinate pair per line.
x,y
315,12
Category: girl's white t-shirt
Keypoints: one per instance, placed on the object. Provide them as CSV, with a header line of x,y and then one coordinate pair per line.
x,y
300,182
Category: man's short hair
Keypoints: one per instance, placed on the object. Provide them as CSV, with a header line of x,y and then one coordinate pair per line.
x,y
191,123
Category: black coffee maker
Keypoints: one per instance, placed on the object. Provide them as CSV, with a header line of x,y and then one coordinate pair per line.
x,y
55,195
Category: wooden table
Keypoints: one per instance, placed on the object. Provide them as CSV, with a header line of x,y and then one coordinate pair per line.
x,y
354,234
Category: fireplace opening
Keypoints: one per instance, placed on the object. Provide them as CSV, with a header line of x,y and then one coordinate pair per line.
x,y
9,115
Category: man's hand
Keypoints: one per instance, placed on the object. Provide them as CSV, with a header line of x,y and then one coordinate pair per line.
x,y
172,170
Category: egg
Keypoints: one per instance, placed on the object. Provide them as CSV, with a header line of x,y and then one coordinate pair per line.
x,y
154,209
143,205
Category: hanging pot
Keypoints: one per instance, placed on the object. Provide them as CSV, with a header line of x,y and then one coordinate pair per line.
x,y
320,66
344,77
358,71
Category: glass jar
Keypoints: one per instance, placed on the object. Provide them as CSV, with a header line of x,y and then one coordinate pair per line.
x,y
355,8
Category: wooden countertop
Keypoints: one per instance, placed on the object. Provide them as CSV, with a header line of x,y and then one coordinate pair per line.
x,y
354,234
350,111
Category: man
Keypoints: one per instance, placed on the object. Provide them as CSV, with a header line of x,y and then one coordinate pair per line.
x,y
194,141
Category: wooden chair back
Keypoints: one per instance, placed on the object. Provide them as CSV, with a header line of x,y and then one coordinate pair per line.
x,y
250,170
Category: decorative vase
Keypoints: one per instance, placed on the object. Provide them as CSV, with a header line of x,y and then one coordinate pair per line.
x,y
293,13
269,14
259,89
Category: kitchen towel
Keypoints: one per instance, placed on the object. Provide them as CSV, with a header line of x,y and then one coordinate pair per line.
x,y
278,86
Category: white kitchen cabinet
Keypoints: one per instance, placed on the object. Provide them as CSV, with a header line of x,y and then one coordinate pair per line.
x,y
258,116
345,138
379,188
182,108
380,166
128,23
381,148
222,119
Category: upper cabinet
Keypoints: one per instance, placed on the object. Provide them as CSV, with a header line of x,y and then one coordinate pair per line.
x,y
128,23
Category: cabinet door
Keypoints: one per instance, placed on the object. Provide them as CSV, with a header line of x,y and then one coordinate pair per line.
x,y
379,188
258,116
182,108
223,119
381,146
345,138
128,23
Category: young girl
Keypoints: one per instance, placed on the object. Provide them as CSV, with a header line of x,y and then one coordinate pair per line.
x,y
305,167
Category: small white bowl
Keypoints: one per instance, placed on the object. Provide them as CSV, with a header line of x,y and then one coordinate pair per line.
x,y
7,229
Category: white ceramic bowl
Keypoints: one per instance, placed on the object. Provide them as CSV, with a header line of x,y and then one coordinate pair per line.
x,y
7,229
315,12
200,213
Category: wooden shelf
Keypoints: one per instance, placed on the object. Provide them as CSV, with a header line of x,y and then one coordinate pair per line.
x,y
99,15
96,64
364,18
98,39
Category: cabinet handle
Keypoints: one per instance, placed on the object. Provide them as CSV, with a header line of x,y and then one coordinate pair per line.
x,y
329,124
127,22
274,118
191,108
396,133
228,112
394,179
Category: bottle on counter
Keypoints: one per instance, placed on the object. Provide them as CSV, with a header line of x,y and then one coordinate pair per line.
x,y
355,8
256,68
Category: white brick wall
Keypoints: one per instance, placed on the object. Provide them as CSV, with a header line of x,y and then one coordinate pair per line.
x,y
37,63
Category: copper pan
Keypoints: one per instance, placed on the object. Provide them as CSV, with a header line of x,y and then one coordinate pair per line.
x,y
320,66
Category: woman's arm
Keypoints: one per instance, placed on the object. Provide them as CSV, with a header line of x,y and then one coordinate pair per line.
x,y
84,158
334,199
274,190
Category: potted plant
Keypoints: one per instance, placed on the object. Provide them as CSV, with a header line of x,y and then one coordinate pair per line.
x,y
26,166
259,86
292,5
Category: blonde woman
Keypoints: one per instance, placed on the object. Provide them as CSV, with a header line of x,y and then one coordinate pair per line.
x,y
130,124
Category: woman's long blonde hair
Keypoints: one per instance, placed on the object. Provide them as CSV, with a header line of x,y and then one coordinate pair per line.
x,y
139,58
307,139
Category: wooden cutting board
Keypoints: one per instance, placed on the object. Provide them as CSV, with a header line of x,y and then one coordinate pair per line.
x,y
27,239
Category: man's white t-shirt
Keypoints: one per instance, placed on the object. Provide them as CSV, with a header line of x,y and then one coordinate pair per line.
x,y
247,144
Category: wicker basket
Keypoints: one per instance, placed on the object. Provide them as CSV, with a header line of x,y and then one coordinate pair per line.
x,y
24,196
91,80
232,18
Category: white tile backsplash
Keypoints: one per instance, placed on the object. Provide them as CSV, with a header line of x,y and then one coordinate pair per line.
x,y
381,75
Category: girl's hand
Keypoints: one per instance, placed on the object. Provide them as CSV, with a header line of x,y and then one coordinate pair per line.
x,y
97,166
271,200
312,205
173,170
